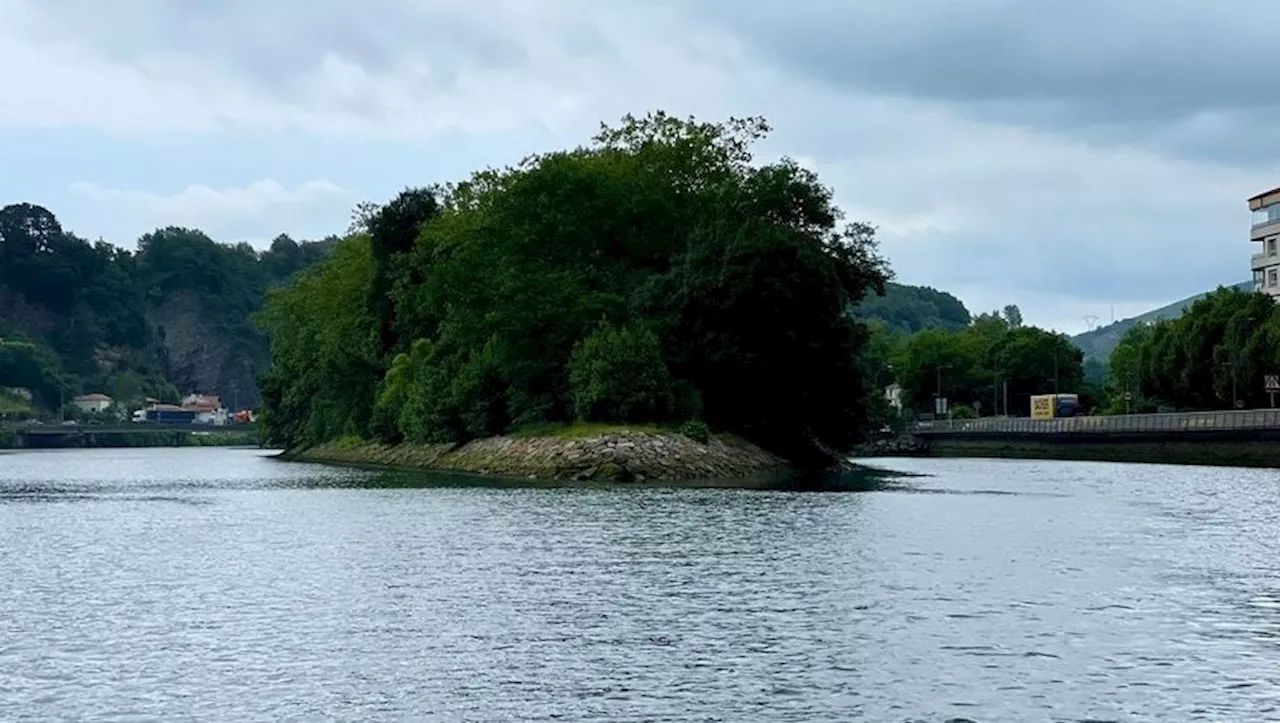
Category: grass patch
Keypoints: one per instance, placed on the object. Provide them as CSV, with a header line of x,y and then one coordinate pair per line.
x,y
13,405
587,430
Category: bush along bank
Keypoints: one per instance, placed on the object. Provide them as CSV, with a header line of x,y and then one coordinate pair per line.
x,y
621,455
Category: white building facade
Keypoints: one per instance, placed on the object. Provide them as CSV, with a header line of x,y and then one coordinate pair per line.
x,y
1266,232
96,403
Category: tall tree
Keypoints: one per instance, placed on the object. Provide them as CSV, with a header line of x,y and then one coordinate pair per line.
x,y
393,228
1013,315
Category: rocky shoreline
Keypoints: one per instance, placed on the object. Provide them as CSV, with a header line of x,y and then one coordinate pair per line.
x,y
622,456
903,445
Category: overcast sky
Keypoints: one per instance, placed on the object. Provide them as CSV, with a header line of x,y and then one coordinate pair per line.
x,y
1070,157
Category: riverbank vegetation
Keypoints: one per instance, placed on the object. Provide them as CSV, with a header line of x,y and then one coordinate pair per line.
x,y
990,365
1216,355
656,275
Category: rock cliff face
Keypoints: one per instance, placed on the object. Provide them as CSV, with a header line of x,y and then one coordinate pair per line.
x,y
622,457
203,358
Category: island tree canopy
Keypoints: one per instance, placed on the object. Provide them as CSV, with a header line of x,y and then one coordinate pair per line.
x,y
655,274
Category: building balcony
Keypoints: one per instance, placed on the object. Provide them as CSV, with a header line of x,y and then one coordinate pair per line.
x,y
1264,229
1263,261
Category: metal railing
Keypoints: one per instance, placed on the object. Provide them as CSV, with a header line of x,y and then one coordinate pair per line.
x,y
1256,419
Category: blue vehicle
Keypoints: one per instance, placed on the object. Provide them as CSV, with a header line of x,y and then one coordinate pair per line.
x,y
171,416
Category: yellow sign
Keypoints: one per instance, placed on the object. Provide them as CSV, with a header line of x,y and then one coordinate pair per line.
x,y
1042,406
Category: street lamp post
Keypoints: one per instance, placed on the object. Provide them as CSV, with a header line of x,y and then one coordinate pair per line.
x,y
937,395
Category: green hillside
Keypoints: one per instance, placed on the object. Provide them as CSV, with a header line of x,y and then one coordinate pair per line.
x,y
915,308
1099,343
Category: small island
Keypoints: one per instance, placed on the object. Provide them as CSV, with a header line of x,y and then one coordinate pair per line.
x,y
652,305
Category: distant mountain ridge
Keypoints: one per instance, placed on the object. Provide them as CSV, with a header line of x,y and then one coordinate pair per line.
x,y
1099,343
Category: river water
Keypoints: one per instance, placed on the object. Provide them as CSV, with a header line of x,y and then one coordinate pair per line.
x,y
221,584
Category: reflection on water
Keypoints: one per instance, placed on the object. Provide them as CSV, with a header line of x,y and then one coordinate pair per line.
x,y
213,584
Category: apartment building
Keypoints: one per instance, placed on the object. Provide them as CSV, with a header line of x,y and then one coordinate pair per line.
x,y
1266,231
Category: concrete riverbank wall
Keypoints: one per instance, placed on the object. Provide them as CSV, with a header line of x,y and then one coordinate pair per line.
x,y
1246,438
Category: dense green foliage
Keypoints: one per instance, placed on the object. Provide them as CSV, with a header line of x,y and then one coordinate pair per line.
x,y
619,375
1219,350
651,274
35,368
914,308
977,366
171,317
324,344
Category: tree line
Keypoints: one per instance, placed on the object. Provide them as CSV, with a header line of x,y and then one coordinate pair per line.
x,y
993,365
79,316
1216,355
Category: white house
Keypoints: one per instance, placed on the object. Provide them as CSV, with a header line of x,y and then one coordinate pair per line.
x,y
208,409
92,403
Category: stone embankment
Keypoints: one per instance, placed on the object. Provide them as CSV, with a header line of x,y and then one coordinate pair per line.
x,y
903,445
622,456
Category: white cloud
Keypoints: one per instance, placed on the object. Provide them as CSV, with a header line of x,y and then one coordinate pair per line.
x,y
255,213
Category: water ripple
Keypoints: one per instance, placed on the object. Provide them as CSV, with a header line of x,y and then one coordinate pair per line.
x,y
213,584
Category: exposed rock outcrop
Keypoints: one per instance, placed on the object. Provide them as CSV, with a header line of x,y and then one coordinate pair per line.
x,y
622,456
207,358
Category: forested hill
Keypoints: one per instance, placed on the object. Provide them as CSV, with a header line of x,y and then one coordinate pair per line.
x,y
172,317
915,308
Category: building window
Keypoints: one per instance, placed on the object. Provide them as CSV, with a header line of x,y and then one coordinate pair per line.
x,y
1271,246
1271,277
1267,215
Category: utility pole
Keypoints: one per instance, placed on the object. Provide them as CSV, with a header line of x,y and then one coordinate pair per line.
x,y
937,395
1055,371
1234,366
1231,365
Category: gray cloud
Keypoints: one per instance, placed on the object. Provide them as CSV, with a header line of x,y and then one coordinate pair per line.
x,y
1195,74
1064,156
272,43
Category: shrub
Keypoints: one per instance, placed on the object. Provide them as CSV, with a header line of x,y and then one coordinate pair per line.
x,y
619,375
696,430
